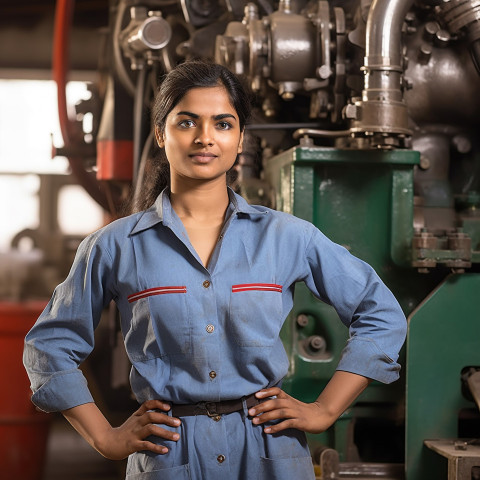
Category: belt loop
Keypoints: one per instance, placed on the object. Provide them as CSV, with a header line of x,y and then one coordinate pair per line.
x,y
244,405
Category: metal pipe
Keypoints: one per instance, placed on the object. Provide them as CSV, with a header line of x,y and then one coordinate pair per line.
x,y
384,29
383,53
312,132
382,108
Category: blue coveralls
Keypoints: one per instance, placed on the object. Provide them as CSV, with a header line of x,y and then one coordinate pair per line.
x,y
195,334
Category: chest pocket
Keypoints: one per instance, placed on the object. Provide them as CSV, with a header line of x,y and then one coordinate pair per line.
x,y
161,323
256,314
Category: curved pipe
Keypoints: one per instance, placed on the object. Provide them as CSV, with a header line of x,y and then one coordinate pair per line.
x,y
384,48
382,108
384,30
61,37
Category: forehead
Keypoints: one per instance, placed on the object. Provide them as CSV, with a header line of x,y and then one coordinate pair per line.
x,y
206,101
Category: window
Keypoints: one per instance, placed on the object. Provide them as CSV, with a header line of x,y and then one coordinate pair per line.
x,y
28,124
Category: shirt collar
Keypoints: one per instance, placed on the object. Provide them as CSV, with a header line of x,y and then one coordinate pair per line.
x,y
161,210
240,205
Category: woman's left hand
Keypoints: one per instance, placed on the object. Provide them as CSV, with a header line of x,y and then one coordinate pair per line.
x,y
342,389
308,417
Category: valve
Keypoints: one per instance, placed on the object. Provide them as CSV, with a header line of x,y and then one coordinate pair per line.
x,y
145,35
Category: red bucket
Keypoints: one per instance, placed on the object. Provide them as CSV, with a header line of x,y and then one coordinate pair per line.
x,y
23,430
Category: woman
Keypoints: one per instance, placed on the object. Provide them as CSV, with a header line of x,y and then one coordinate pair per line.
x,y
204,282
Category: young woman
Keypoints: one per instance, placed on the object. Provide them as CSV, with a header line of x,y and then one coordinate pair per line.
x,y
204,282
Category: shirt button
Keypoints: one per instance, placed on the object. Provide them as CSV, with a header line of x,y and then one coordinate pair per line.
x,y
221,458
210,328
217,418
206,283
213,374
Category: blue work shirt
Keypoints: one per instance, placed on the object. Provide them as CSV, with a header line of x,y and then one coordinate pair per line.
x,y
209,334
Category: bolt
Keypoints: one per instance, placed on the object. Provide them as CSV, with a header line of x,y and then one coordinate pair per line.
x,y
462,143
425,53
317,343
350,111
431,28
460,445
324,72
424,162
442,37
302,320
288,96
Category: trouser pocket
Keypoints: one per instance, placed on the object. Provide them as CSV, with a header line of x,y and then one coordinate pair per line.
x,y
286,468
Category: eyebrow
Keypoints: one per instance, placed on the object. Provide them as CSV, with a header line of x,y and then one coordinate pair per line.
x,y
220,116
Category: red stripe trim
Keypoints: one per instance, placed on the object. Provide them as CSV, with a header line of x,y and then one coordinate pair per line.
x,y
156,291
267,287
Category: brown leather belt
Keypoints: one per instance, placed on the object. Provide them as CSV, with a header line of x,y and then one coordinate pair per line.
x,y
214,409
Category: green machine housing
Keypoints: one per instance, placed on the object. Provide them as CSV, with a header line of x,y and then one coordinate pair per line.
x,y
364,200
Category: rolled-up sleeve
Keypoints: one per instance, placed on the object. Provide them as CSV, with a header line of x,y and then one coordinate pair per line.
x,y
377,325
63,336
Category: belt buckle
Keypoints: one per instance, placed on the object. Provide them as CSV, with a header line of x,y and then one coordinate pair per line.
x,y
211,409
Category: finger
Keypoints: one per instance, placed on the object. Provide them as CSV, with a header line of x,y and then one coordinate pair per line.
x,y
151,447
153,405
277,414
291,423
269,392
270,405
160,432
158,417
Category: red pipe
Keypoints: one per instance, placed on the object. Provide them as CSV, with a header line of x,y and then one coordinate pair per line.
x,y
70,131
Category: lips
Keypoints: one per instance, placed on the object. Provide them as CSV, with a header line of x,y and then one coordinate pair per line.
x,y
202,157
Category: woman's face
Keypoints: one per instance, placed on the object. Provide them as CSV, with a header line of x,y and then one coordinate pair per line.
x,y
202,135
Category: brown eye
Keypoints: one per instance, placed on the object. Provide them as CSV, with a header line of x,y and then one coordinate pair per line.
x,y
186,123
224,125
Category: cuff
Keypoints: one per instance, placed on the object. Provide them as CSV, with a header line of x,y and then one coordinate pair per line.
x,y
363,357
62,391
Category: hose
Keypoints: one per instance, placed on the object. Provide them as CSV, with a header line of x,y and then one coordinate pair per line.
x,y
70,133
120,69
139,118
139,183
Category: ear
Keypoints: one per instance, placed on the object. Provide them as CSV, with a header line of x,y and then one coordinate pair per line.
x,y
159,137
240,143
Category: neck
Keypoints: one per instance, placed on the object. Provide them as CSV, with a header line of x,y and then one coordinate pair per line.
x,y
199,200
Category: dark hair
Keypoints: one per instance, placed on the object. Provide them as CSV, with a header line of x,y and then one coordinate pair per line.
x,y
197,74
175,85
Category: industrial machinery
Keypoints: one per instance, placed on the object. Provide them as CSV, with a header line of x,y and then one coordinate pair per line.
x,y
365,123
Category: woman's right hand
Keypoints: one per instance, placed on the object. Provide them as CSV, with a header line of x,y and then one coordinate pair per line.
x,y
131,436
117,443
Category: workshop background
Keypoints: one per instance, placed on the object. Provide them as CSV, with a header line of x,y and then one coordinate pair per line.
x,y
366,123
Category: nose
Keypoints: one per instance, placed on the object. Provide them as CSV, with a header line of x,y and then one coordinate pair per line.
x,y
205,137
